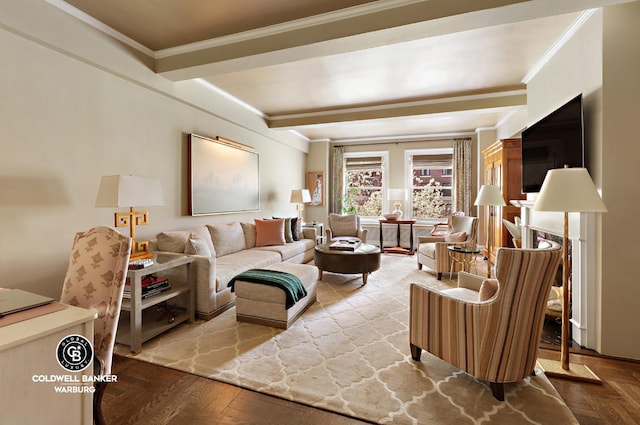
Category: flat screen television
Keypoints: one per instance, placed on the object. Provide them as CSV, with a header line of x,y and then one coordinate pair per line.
x,y
552,142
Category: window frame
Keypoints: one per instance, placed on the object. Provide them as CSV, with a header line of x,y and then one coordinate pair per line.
x,y
385,174
408,170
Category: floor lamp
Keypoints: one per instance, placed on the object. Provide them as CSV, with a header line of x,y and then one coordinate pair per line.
x,y
568,190
490,196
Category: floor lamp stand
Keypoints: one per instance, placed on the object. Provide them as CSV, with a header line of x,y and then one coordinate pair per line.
x,y
563,368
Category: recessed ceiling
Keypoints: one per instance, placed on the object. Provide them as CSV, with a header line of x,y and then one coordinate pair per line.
x,y
352,69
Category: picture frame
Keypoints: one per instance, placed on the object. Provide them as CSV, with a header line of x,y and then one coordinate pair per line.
x,y
315,185
224,176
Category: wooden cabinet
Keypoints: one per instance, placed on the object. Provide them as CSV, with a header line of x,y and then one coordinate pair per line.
x,y
503,167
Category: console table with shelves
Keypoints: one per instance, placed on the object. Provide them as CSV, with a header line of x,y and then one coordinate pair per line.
x,y
138,322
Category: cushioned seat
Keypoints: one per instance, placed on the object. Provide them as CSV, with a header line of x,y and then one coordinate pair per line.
x,y
265,304
345,227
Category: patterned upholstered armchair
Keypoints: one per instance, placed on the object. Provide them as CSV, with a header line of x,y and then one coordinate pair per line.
x,y
432,251
345,226
95,281
489,328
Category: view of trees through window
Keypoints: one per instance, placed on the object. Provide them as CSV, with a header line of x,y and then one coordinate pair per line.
x,y
363,186
431,185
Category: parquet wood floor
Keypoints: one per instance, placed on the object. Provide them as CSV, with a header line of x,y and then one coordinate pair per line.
x,y
150,394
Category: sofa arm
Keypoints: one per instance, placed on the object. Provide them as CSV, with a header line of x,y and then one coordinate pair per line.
x,y
309,233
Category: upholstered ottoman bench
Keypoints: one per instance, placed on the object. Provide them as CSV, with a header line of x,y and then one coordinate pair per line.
x,y
266,305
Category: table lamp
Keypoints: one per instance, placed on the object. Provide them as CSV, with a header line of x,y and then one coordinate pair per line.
x,y
300,197
568,190
490,196
398,196
131,191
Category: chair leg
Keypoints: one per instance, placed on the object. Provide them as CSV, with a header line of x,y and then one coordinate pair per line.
x,y
419,266
439,276
98,417
416,352
497,389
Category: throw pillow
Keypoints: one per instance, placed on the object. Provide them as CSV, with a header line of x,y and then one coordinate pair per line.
x,y
295,232
172,241
288,234
197,246
455,237
227,238
270,232
488,289
249,230
202,233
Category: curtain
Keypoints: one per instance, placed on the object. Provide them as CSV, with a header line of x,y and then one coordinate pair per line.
x,y
461,175
337,180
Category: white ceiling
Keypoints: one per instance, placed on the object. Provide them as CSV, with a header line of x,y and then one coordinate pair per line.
x,y
351,69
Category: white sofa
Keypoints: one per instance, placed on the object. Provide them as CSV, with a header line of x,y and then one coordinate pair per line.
x,y
221,251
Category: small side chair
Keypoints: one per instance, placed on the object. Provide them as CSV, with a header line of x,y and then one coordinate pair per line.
x,y
346,226
95,280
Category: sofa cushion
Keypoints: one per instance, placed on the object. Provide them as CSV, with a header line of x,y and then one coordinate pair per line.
x,y
270,232
172,241
227,238
249,230
230,265
289,250
288,229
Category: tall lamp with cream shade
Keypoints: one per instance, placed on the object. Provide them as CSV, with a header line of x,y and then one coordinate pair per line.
x,y
568,190
300,197
489,196
131,192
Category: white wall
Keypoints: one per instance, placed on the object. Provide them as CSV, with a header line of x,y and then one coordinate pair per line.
x,y
602,61
76,105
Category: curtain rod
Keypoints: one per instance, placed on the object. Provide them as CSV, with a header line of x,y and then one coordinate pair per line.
x,y
396,142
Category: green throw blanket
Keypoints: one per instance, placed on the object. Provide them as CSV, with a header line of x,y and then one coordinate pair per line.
x,y
289,283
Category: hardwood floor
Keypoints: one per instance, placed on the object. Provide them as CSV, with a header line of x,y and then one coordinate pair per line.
x,y
150,394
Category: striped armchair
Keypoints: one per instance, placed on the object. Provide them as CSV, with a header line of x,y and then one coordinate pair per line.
x,y
433,252
489,328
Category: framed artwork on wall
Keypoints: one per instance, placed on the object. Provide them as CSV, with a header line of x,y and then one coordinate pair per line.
x,y
224,176
315,184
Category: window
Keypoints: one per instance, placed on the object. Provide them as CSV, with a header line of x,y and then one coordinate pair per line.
x,y
364,182
431,173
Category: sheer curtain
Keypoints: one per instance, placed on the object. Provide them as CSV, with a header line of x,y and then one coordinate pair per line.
x,y
337,181
462,175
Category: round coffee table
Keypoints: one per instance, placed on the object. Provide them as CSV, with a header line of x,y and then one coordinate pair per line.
x,y
364,259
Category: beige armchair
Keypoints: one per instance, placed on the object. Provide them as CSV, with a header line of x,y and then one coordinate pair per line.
x,y
345,227
432,251
489,328
95,281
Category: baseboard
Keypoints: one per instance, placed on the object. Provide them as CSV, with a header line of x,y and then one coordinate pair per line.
x,y
217,312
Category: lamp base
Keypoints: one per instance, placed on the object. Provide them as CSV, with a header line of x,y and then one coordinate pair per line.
x,y
576,372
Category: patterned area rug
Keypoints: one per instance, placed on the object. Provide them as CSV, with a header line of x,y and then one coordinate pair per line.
x,y
349,353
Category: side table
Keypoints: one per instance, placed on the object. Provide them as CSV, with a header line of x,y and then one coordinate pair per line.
x,y
464,255
142,327
398,249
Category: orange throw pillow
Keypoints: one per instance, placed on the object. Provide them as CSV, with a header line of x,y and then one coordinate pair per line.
x,y
270,232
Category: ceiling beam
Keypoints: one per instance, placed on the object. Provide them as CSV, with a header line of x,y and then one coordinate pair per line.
x,y
482,101
356,28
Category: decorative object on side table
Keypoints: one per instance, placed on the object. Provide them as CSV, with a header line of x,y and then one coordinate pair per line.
x,y
568,190
491,197
131,191
398,196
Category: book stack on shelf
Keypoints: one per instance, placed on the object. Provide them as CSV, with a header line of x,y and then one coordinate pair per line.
x,y
345,245
151,285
